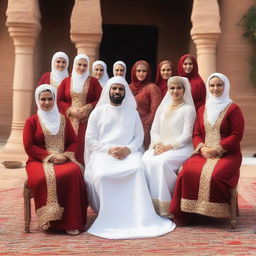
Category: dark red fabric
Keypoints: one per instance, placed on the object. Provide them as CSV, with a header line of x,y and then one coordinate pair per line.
x,y
160,81
45,79
71,188
226,172
198,89
64,102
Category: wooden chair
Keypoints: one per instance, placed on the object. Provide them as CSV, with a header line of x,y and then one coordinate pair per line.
x,y
27,206
234,210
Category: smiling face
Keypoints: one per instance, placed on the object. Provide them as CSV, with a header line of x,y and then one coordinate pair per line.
x,y
60,64
187,65
81,66
141,72
119,70
176,90
216,86
46,100
166,71
98,71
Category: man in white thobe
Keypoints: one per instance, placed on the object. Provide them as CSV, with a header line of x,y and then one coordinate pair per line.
x,y
114,173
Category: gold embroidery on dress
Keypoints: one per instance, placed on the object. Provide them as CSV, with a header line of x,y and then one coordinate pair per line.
x,y
203,205
53,83
78,101
161,207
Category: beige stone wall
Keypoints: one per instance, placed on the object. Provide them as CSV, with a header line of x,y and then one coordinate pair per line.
x,y
6,74
233,54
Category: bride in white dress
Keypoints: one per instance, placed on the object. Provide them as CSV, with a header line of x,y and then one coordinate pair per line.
x,y
171,142
117,188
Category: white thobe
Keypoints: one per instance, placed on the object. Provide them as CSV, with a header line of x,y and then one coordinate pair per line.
x,y
117,189
174,128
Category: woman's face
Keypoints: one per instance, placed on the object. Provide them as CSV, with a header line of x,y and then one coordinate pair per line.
x,y
119,70
60,64
141,72
176,91
46,101
187,66
216,86
98,71
166,71
81,66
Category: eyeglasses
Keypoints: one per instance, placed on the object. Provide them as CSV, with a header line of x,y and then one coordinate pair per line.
x,y
61,61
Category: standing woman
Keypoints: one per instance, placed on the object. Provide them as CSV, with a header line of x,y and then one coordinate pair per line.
x,y
163,73
77,96
54,175
119,69
205,182
99,69
187,67
59,70
171,142
147,94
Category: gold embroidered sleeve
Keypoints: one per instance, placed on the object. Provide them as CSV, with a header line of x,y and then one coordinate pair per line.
x,y
71,157
220,150
199,146
87,109
46,160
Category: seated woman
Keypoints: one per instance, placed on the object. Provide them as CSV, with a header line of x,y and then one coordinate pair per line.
x,y
99,70
59,70
54,176
171,142
203,186
119,69
163,73
148,96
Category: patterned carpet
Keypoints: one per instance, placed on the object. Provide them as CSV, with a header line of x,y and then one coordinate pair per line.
x,y
205,237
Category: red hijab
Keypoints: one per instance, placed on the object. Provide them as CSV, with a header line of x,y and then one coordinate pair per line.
x,y
197,84
136,86
160,81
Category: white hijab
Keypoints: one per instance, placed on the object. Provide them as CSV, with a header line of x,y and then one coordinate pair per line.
x,y
167,100
215,105
50,119
105,76
77,79
119,62
57,75
128,101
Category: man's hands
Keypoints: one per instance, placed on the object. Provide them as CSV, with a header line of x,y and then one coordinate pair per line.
x,y
119,152
160,148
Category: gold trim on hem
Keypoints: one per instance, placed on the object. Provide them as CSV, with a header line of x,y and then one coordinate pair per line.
x,y
161,207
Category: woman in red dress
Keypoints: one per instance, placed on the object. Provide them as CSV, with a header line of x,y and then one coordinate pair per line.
x,y
187,67
147,94
59,71
204,184
77,96
164,72
54,176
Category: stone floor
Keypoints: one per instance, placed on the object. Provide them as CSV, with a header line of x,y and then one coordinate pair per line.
x,y
206,237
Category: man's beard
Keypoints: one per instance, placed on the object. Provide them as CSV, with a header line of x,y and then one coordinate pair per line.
x,y
116,100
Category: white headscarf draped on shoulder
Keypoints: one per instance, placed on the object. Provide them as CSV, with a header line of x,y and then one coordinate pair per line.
x,y
119,62
128,101
57,75
215,105
105,76
50,119
167,100
77,79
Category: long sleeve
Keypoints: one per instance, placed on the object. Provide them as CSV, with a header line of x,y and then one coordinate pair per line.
x,y
62,101
155,137
188,125
236,121
198,134
94,92
137,141
32,149
92,141
45,78
70,138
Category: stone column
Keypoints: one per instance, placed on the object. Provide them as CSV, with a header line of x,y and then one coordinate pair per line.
x,y
86,31
23,25
205,33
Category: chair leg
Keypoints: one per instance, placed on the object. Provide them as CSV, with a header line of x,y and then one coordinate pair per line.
x,y
27,207
233,209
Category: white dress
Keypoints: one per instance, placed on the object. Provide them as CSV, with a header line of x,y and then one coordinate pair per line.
x,y
117,189
171,127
